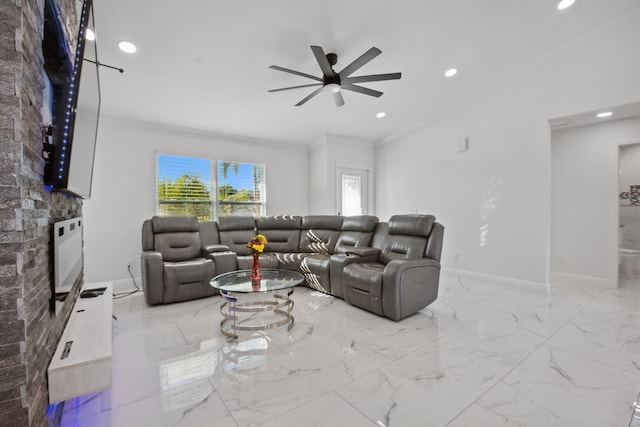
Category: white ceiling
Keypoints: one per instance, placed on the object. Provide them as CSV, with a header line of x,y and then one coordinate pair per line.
x,y
203,64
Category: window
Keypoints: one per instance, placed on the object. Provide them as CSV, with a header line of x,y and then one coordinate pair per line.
x,y
209,188
240,188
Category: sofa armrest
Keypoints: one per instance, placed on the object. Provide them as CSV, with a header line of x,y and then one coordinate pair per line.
x,y
207,249
337,263
224,259
152,283
409,286
363,251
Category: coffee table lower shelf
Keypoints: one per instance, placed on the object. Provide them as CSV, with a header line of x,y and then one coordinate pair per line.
x,y
237,316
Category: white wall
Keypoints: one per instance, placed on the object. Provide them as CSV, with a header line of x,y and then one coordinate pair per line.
x,y
321,202
584,203
325,156
494,200
124,185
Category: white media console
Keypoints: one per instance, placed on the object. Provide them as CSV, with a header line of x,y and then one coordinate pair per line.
x,y
81,363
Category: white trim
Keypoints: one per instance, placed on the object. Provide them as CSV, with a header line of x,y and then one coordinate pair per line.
x,y
585,281
488,278
125,285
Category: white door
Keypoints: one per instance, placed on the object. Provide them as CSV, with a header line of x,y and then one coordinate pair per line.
x,y
353,188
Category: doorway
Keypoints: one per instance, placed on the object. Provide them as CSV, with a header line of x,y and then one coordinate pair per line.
x,y
352,191
629,214
585,212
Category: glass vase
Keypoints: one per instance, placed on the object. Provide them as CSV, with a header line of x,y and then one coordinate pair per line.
x,y
256,273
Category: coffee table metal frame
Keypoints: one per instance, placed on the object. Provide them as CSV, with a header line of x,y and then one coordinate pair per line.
x,y
239,282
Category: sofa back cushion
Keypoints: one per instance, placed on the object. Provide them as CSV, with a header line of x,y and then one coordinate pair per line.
x,y
176,237
407,239
436,239
147,235
236,231
209,233
380,235
357,231
282,232
411,225
319,233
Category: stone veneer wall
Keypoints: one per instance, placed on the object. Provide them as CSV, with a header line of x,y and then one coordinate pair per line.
x,y
29,331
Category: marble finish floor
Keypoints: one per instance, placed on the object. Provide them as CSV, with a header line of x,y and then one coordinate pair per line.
x,y
482,355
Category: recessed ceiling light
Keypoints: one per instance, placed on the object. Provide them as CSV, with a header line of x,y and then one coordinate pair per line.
x,y
381,114
90,35
564,4
127,47
604,114
450,72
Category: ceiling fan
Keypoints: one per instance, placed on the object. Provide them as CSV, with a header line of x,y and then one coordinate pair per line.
x,y
332,81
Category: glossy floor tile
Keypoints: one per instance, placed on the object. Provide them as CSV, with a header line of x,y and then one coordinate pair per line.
x,y
483,354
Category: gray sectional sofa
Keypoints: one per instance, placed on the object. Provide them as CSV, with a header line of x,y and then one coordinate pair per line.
x,y
388,268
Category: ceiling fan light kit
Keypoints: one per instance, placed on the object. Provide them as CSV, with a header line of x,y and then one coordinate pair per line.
x,y
334,82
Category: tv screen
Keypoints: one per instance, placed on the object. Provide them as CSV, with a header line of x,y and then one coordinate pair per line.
x,y
75,103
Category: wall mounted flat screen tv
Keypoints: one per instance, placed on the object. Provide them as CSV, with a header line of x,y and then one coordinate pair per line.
x,y
75,102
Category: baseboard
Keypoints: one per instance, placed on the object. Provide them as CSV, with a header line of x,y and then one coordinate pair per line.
x,y
498,280
568,278
125,285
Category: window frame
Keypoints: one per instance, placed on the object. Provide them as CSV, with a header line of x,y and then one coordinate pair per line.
x,y
215,203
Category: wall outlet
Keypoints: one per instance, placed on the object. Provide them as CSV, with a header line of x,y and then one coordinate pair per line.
x,y
456,257
128,265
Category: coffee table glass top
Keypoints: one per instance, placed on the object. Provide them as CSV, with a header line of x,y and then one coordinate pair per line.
x,y
272,280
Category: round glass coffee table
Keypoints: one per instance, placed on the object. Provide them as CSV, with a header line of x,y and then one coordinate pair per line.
x,y
244,315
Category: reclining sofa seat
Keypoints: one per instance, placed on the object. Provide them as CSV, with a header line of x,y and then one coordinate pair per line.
x,y
235,232
283,237
318,238
391,269
174,263
404,275
355,232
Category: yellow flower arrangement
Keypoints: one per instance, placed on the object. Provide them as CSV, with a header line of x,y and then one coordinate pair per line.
x,y
257,243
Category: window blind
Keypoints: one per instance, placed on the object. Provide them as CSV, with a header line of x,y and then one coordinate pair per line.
x,y
186,186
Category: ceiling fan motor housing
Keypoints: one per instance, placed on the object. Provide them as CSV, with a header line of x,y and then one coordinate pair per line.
x,y
332,58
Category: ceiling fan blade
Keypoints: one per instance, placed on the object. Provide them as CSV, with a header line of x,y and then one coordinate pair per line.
x,y
294,87
372,78
308,97
318,52
337,97
360,89
360,61
297,73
